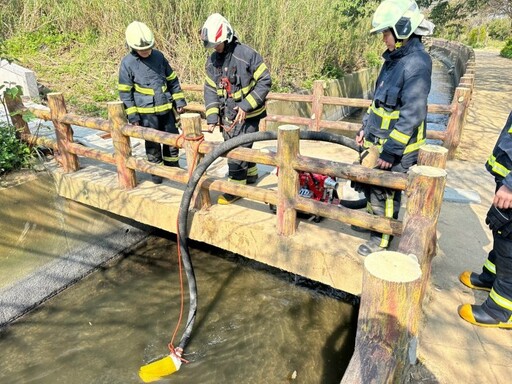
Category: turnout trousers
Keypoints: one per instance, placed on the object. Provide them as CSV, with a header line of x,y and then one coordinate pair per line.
x,y
238,169
499,303
157,152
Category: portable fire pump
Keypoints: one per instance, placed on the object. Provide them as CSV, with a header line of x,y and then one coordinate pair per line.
x,y
318,187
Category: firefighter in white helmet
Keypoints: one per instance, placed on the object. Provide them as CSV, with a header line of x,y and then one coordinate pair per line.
x,y
150,91
396,119
237,83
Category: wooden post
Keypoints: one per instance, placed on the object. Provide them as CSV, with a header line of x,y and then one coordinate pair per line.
x,y
191,126
14,107
424,198
317,105
456,122
467,80
288,181
122,146
63,132
388,316
263,124
433,155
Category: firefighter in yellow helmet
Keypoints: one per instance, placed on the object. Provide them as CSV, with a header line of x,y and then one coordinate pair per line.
x,y
237,83
396,121
496,275
150,91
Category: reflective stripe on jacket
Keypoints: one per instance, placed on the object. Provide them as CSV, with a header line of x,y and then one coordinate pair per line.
x,y
249,81
148,85
397,116
499,163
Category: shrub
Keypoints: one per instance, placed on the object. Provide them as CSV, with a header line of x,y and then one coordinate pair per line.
x,y
507,50
499,29
477,37
14,153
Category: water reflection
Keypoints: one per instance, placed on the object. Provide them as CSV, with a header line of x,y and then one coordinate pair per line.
x,y
441,93
252,327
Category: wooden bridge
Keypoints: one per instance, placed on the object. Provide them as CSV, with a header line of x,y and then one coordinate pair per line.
x,y
324,252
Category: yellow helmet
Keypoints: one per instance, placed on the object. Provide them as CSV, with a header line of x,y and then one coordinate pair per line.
x,y
216,30
139,37
400,16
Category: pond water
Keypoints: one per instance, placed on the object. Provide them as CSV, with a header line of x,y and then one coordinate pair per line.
x,y
254,324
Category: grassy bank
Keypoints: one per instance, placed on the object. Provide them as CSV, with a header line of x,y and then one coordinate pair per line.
x,y
75,46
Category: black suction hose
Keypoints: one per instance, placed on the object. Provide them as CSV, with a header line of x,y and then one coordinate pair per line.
x,y
189,192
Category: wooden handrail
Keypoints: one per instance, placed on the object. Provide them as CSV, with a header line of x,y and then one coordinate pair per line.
x,y
424,187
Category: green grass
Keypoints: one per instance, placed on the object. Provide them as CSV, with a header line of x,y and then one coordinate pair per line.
x,y
76,48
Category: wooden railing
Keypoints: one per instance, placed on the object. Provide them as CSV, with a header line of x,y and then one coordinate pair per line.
x,y
392,291
68,152
457,110
424,186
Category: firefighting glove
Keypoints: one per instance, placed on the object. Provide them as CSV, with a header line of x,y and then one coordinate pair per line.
x,y
499,220
359,187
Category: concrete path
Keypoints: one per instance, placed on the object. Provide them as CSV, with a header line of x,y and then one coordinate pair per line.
x,y
452,350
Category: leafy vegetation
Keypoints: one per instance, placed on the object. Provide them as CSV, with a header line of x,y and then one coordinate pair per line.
x,y
507,50
14,154
478,23
76,47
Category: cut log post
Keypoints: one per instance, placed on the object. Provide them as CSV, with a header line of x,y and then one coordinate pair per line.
x,y
456,122
63,132
433,155
388,317
288,181
467,80
191,126
424,199
15,107
317,106
122,146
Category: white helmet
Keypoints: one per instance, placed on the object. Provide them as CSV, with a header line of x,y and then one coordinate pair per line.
x,y
400,16
139,37
216,29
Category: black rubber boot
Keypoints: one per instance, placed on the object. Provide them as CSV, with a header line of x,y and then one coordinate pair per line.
x,y
473,281
172,164
369,247
475,314
252,179
359,229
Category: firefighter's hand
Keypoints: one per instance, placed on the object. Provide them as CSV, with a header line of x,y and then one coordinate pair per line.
x,y
240,116
211,127
360,137
383,164
503,198
180,110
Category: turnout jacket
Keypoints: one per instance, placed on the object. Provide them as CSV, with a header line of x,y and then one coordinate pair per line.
x,y
148,85
397,117
499,163
236,77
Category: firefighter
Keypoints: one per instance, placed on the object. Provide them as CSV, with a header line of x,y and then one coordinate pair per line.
x,y
151,92
396,120
496,276
237,83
